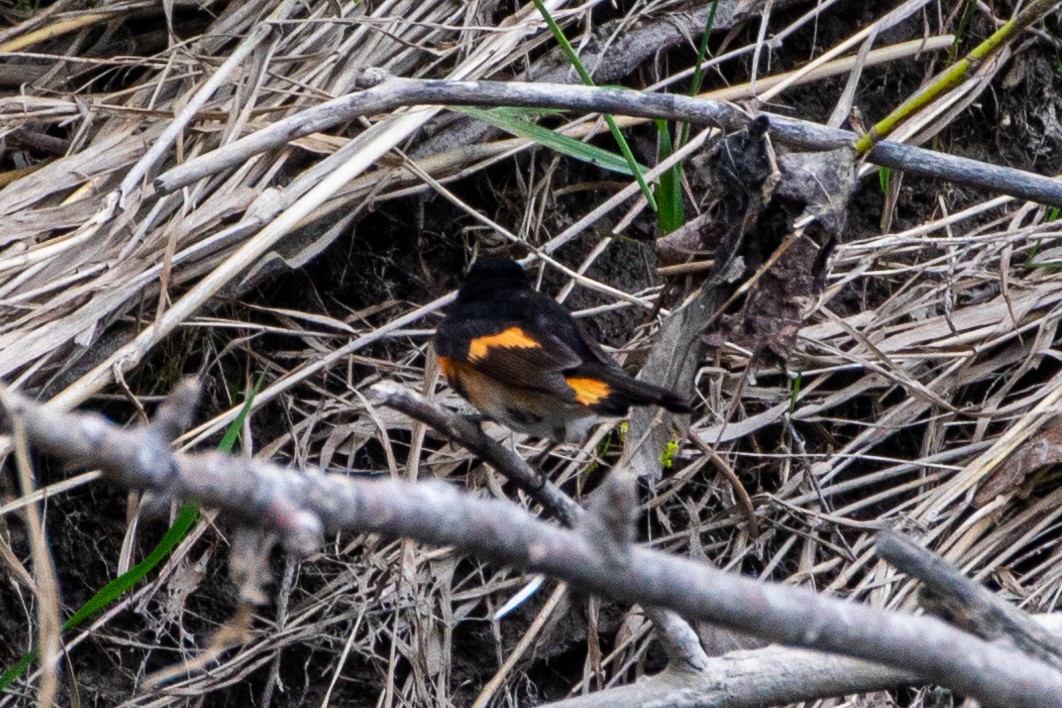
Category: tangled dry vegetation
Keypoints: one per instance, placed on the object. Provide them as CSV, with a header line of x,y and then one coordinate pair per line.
x,y
919,393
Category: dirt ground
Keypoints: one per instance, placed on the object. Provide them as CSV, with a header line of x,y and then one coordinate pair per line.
x,y
391,623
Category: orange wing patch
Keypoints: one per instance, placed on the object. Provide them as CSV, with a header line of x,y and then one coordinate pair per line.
x,y
589,391
448,366
511,338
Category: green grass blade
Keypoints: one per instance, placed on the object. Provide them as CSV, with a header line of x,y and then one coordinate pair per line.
x,y
672,213
962,30
17,669
514,123
625,149
702,50
698,73
186,518
232,433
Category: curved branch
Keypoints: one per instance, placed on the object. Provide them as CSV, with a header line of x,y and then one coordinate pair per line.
x,y
391,93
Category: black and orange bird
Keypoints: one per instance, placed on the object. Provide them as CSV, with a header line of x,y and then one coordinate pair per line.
x,y
520,358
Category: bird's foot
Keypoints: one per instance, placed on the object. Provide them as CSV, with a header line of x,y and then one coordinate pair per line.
x,y
538,463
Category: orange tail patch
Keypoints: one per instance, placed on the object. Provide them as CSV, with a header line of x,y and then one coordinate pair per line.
x,y
588,391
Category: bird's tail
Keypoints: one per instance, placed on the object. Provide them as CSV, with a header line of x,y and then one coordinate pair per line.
x,y
641,393
612,392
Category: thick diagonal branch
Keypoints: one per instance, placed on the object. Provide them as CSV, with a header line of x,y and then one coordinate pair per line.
x,y
436,513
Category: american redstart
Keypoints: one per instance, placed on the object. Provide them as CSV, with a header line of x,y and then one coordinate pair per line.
x,y
522,360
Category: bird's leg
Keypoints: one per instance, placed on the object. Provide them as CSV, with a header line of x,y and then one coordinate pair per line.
x,y
541,457
539,461
477,420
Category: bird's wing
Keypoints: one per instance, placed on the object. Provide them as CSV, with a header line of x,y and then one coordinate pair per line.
x,y
519,355
555,318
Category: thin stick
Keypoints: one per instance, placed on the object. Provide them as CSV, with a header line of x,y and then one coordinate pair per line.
x,y
46,586
956,73
496,681
471,436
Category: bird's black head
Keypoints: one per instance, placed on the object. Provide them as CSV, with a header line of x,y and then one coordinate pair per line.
x,y
490,274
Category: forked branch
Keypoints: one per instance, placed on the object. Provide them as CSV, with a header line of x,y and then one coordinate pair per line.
x,y
301,505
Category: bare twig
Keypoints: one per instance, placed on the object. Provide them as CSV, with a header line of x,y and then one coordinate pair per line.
x,y
679,640
393,92
750,679
952,76
948,593
467,433
45,583
299,506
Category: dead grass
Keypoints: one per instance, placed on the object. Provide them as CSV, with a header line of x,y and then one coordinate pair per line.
x,y
928,359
